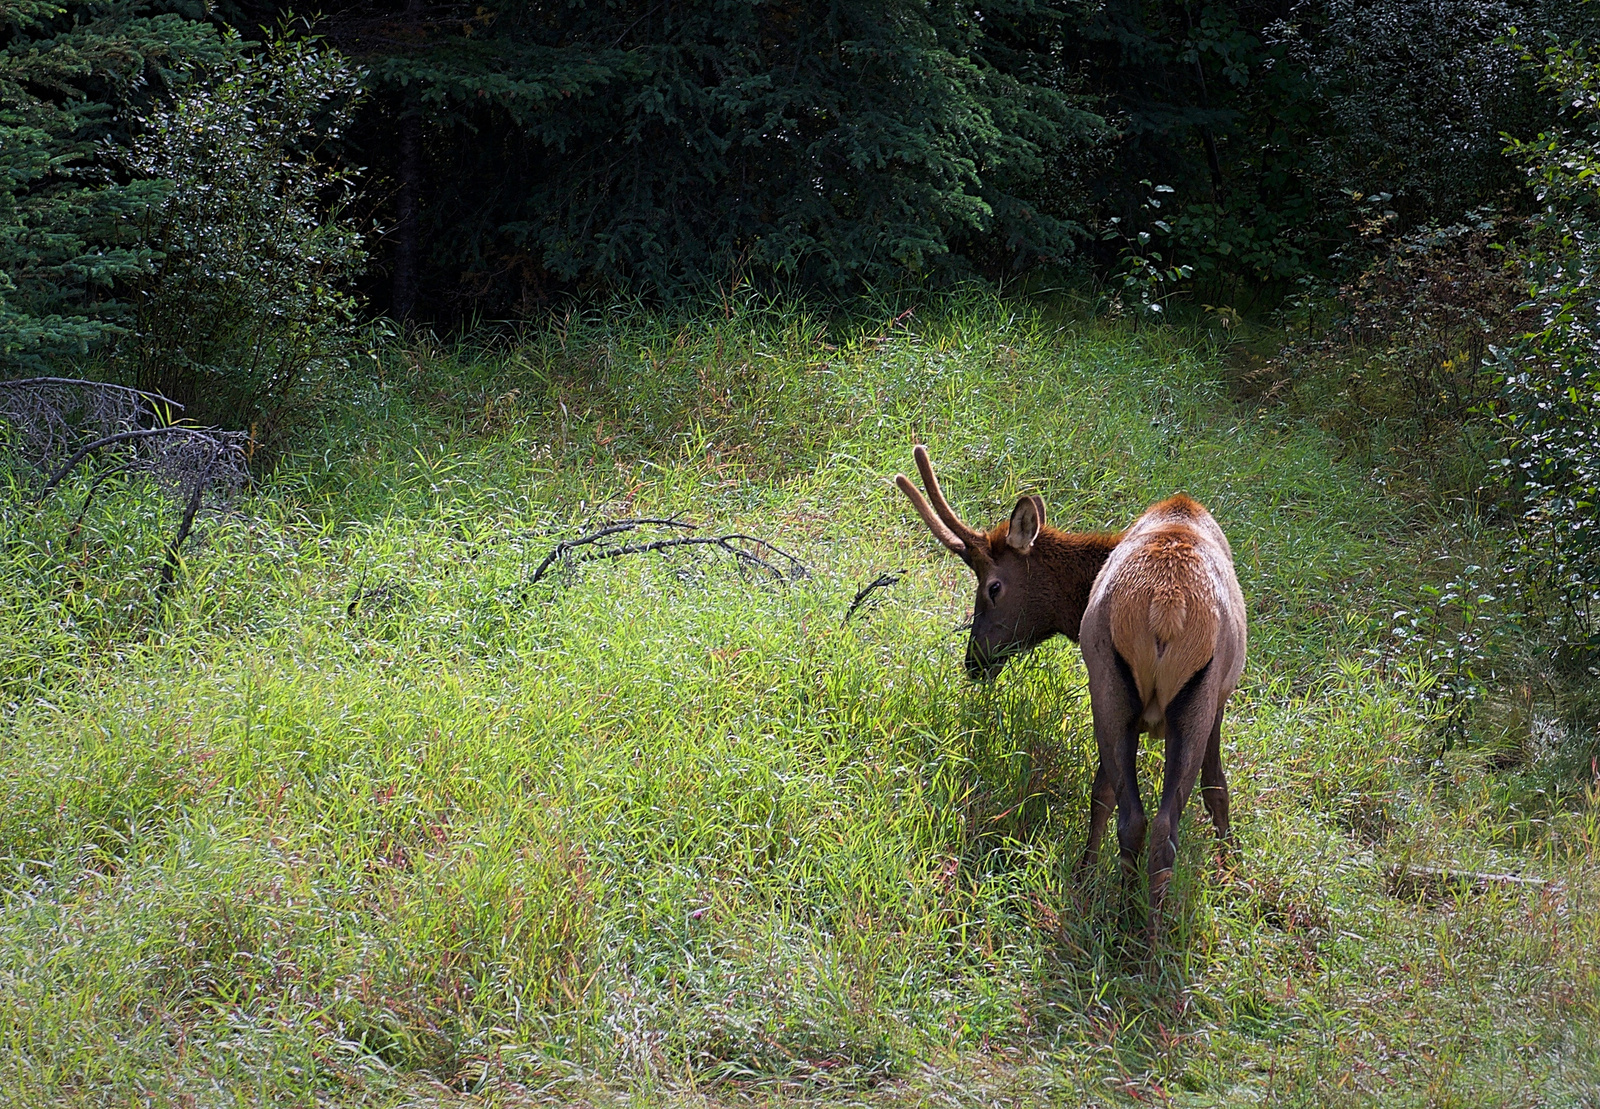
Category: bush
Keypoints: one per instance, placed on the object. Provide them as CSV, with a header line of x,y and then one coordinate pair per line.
x,y
1414,98
1268,118
1391,361
248,304
1550,401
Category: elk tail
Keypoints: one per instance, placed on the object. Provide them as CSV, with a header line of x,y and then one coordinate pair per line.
x,y
1169,611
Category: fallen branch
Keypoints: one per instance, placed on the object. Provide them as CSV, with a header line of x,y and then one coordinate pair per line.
x,y
617,527
54,425
94,487
374,599
1438,880
80,382
729,543
882,581
169,567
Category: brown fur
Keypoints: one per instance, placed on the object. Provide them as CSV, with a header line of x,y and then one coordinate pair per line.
x,y
1063,568
1043,589
1156,607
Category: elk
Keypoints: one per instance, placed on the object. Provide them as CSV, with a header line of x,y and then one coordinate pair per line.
x,y
1160,618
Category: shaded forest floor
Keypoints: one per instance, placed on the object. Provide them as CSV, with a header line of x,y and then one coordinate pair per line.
x,y
360,813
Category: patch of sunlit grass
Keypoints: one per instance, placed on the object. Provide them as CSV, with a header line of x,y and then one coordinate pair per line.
x,y
360,812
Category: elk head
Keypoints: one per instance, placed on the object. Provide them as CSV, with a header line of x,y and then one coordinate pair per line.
x,y
1033,581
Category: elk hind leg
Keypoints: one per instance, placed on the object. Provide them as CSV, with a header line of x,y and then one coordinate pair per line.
x,y
1102,802
1189,721
1117,722
1214,786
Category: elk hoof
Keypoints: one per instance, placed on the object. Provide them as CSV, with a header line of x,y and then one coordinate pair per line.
x,y
1085,868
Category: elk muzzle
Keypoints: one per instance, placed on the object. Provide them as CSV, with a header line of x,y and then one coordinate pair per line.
x,y
985,660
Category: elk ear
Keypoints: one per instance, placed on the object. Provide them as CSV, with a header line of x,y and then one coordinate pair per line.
x,y
1026,520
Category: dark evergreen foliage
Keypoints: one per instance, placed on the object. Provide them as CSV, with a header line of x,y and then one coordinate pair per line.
x,y
516,150
669,147
533,148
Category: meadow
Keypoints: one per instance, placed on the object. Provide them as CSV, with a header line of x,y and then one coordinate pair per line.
x,y
360,813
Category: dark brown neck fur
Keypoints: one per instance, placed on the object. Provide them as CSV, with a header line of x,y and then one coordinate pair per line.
x,y
1068,561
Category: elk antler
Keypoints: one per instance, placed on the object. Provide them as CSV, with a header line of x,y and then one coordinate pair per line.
x,y
946,525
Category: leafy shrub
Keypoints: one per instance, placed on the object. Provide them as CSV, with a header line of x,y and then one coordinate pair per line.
x,y
1413,98
1267,118
247,305
1429,307
1391,361
1146,277
1264,242
1550,400
1461,632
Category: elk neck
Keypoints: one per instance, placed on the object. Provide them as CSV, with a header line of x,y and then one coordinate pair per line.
x,y
1065,565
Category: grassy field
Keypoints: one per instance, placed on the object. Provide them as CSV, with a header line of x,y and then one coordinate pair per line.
x,y
359,813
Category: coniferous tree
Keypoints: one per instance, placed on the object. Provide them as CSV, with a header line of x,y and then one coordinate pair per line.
x,y
71,74
670,147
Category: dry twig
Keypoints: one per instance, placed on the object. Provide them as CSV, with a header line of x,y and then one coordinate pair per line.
x,y
882,581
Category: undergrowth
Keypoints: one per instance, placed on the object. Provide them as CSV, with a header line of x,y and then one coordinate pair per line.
x,y
361,814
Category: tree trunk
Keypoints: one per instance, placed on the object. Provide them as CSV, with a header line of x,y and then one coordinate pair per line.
x,y
1207,139
408,205
406,231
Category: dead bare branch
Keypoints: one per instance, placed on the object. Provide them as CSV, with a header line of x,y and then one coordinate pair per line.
x,y
51,415
564,551
616,527
169,566
98,386
94,487
1409,879
214,439
53,425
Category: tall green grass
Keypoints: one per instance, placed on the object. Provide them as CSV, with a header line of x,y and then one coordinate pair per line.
x,y
362,814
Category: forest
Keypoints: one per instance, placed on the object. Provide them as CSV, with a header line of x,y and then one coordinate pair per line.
x,y
461,641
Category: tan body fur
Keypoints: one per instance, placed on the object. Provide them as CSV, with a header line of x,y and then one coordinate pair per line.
x,y
1166,595
1158,612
